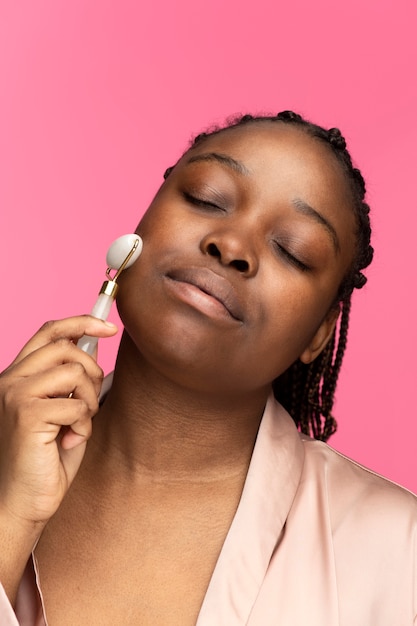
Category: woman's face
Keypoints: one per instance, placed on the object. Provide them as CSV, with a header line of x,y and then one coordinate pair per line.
x,y
245,246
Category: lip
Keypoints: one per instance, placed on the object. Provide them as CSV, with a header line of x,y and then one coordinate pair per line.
x,y
217,295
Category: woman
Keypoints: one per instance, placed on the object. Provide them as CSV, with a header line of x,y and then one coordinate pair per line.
x,y
196,499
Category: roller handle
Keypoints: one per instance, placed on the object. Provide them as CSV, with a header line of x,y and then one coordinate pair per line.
x,y
101,310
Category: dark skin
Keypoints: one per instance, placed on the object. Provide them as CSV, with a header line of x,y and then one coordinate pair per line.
x,y
237,279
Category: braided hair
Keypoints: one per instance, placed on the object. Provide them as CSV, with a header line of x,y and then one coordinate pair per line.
x,y
307,390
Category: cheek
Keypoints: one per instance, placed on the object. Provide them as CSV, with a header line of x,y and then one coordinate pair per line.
x,y
287,325
165,230
155,226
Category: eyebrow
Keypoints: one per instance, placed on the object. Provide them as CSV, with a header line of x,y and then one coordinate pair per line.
x,y
306,209
224,159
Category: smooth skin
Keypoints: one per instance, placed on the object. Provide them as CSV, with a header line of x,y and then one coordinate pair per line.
x,y
245,246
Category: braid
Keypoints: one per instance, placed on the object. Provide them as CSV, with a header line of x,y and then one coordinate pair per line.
x,y
307,390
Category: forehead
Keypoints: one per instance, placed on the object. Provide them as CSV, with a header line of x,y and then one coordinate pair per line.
x,y
277,156
275,148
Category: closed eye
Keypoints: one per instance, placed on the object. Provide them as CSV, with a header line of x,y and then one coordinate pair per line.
x,y
290,258
201,202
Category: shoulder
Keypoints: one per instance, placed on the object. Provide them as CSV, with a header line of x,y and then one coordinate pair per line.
x,y
371,528
355,492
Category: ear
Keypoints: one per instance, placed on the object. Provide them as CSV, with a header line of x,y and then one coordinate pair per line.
x,y
321,337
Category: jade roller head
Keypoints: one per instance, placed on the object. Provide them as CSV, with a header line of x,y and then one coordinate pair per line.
x,y
122,253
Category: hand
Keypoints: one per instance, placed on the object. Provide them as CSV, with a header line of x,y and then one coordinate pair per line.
x,y
48,397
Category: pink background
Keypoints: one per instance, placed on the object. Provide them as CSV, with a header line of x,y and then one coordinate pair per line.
x,y
98,98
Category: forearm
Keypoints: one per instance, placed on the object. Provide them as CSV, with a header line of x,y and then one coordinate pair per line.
x,y
17,541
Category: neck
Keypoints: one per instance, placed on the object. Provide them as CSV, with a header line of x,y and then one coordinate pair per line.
x,y
149,425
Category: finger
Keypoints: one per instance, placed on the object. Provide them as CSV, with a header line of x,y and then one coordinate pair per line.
x,y
50,415
71,459
44,421
71,439
59,352
60,382
71,328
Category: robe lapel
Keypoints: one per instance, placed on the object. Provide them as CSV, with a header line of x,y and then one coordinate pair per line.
x,y
258,525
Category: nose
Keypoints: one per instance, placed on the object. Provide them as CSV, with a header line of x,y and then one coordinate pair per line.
x,y
232,248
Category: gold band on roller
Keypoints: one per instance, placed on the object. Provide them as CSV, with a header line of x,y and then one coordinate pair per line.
x,y
109,287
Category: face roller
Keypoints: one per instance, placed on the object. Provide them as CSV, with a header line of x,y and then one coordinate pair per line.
x,y
122,254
